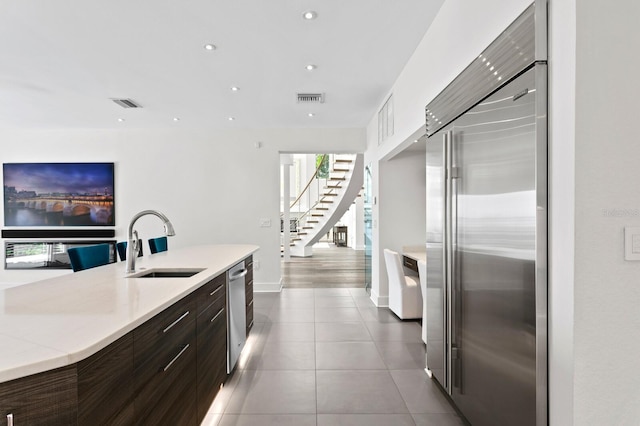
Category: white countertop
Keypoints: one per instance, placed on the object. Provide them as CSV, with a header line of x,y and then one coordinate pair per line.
x,y
417,252
63,320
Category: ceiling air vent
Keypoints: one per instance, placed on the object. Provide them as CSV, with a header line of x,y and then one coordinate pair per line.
x,y
126,103
310,98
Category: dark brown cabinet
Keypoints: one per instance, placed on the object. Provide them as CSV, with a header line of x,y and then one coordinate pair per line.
x,y
164,366
211,353
48,398
166,371
249,292
105,385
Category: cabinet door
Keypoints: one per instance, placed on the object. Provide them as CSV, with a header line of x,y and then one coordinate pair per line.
x,y
164,366
105,385
211,354
47,398
249,292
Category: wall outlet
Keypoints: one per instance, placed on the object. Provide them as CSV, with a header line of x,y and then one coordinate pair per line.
x,y
265,223
256,265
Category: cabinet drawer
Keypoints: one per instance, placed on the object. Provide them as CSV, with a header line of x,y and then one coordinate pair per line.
x,y
211,291
154,337
249,317
410,263
249,292
170,396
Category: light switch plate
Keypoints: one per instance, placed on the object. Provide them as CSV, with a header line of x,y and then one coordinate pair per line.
x,y
632,243
265,223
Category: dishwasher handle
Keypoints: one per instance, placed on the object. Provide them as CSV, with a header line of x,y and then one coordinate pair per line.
x,y
238,275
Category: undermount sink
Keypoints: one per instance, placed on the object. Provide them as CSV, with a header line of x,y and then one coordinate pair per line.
x,y
167,273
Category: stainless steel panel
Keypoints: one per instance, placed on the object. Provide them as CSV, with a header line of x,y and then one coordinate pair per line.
x,y
436,259
237,319
542,396
496,156
514,50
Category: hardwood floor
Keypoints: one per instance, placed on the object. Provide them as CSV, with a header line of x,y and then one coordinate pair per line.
x,y
333,267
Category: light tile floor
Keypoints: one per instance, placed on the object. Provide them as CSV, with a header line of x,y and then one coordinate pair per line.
x,y
327,357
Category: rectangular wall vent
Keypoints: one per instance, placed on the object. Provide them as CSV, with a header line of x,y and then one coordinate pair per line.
x,y
127,103
310,98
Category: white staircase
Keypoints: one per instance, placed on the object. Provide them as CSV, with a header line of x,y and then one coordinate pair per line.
x,y
343,186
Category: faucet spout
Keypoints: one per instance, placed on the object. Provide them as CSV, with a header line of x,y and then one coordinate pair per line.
x,y
133,242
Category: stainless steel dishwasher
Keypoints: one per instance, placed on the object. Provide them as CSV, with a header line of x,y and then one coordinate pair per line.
x,y
236,308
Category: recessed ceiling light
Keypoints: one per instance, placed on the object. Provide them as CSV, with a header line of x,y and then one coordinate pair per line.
x,y
311,67
210,47
309,15
120,120
231,118
235,89
311,114
176,119
415,141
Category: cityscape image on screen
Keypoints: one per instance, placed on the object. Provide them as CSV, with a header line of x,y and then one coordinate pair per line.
x,y
58,194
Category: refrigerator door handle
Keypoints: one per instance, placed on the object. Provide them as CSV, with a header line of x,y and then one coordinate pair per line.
x,y
447,255
454,278
453,293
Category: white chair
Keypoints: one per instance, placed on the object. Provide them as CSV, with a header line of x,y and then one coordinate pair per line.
x,y
422,272
405,299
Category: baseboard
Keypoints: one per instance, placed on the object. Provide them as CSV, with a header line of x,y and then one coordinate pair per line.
x,y
360,247
379,301
267,287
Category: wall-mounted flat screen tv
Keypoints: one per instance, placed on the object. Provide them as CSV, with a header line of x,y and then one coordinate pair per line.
x,y
58,194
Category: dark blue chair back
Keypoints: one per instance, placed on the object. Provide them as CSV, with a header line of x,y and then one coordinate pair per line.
x,y
122,250
156,245
89,256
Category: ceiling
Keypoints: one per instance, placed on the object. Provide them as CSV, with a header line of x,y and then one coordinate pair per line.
x,y
62,61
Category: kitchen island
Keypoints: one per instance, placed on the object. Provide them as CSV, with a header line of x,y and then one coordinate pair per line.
x,y
96,334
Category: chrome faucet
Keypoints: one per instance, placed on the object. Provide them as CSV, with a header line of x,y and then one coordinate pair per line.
x,y
133,244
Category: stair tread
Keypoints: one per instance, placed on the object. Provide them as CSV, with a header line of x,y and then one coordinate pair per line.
x,y
329,194
316,215
312,221
341,160
337,178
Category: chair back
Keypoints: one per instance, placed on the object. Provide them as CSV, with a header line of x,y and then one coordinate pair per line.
x,y
89,256
394,267
122,250
157,245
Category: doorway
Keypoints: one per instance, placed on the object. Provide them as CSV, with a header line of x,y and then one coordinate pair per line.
x,y
325,213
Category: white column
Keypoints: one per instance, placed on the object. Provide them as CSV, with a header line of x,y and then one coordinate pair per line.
x,y
286,161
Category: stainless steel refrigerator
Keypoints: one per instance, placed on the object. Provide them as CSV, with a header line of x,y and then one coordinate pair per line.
x,y
487,232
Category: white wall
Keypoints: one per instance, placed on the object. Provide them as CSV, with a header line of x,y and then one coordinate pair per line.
x,y
562,71
214,185
607,291
353,219
401,211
